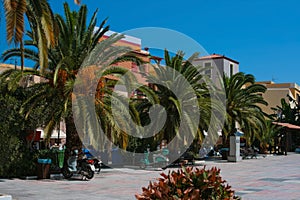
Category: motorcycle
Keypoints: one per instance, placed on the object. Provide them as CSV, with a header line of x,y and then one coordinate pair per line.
x,y
160,159
84,167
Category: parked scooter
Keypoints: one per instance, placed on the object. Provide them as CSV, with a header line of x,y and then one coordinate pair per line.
x,y
84,167
97,162
160,159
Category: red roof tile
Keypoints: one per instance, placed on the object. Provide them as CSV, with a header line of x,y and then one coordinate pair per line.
x,y
211,56
290,126
216,56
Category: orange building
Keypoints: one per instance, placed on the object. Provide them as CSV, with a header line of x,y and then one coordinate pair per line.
x,y
139,71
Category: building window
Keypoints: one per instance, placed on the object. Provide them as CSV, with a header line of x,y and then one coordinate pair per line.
x,y
208,68
231,70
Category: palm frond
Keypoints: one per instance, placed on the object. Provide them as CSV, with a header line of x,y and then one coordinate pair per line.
x,y
14,14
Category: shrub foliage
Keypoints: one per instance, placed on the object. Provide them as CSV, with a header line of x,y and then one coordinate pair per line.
x,y
188,184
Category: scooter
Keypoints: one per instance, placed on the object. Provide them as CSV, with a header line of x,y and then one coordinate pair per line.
x,y
97,162
160,159
84,167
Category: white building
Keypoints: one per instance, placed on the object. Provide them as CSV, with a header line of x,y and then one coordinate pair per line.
x,y
217,65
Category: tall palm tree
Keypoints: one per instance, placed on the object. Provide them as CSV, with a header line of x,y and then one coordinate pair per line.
x,y
78,48
76,40
40,18
185,94
96,120
243,105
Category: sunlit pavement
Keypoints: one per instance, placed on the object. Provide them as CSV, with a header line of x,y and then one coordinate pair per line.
x,y
273,177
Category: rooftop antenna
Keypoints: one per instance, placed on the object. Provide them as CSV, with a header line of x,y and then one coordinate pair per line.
x,y
13,61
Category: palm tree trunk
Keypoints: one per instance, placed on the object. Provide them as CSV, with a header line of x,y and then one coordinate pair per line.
x,y
22,55
73,140
232,128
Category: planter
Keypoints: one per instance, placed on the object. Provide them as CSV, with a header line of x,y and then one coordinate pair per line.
x,y
43,168
224,152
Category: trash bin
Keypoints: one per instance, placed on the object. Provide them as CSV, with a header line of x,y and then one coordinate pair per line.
x,y
224,152
60,158
43,168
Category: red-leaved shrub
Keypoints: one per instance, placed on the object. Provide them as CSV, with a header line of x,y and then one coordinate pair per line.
x,y
188,184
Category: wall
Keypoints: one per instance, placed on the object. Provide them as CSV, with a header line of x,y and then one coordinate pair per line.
x,y
220,66
273,96
276,91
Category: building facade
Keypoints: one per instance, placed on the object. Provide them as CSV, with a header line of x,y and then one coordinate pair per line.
x,y
277,91
218,65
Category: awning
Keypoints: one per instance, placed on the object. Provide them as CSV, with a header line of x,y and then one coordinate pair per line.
x,y
54,134
34,136
288,125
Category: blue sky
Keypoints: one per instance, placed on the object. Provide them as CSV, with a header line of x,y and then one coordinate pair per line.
x,y
263,35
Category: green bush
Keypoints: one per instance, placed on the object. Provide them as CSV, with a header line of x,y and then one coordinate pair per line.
x,y
15,158
188,184
45,153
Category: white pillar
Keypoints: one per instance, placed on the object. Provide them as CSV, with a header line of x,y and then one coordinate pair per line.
x,y
234,150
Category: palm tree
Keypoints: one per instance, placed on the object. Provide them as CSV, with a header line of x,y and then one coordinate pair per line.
x,y
243,105
40,18
75,42
78,49
185,94
268,136
285,113
93,108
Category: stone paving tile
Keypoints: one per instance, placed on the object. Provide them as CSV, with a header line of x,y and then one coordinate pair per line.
x,y
273,177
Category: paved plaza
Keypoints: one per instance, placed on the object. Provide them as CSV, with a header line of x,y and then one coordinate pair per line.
x,y
272,177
